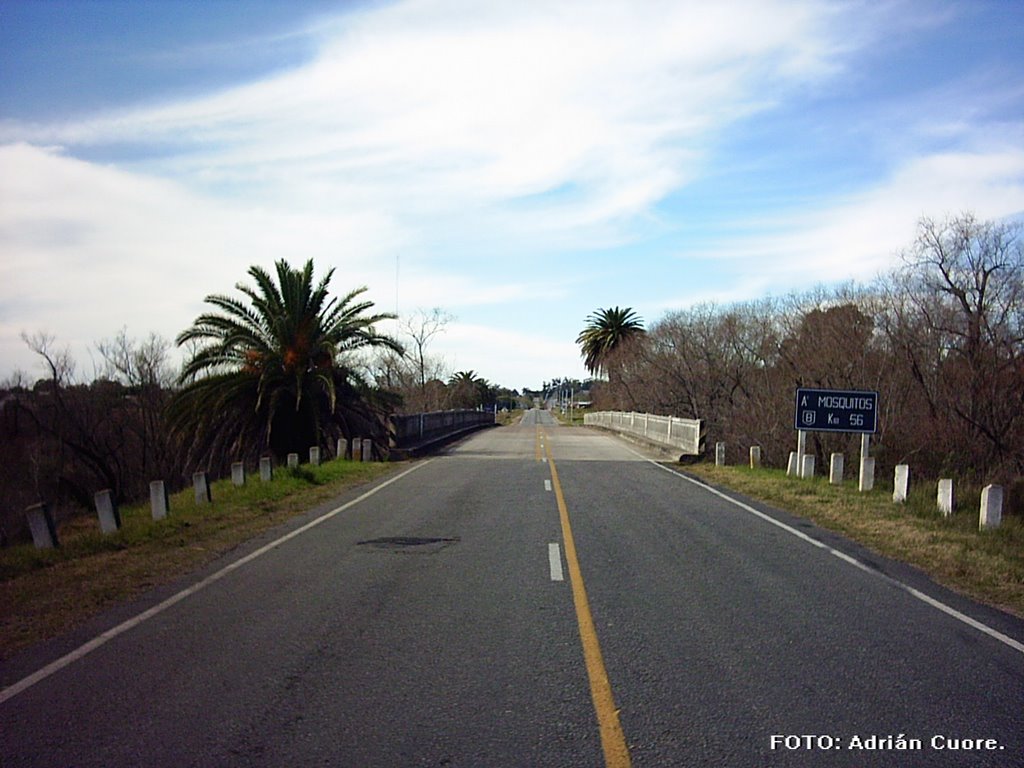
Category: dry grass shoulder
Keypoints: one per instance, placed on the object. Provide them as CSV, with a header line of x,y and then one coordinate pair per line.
x,y
46,592
986,565
505,418
575,419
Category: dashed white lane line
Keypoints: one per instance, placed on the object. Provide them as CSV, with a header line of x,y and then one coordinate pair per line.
x,y
547,485
555,562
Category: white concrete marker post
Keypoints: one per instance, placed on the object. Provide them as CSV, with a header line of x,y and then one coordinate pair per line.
x,y
866,475
791,467
339,451
159,504
755,456
41,523
835,469
991,507
944,497
807,468
106,508
901,483
719,454
314,455
367,449
801,449
266,469
293,460
237,473
201,486
866,480
357,449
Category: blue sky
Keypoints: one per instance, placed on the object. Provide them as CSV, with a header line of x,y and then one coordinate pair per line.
x,y
518,165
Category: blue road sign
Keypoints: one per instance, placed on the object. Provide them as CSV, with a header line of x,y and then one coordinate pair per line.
x,y
833,410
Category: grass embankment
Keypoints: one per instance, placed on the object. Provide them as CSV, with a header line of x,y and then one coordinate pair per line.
x,y
987,565
568,419
45,592
505,418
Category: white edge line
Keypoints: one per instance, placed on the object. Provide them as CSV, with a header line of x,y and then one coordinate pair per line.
x,y
555,562
83,650
937,604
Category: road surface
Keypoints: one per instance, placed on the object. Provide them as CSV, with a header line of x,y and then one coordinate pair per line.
x,y
534,596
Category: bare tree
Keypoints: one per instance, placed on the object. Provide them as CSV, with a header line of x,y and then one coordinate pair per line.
x,y
70,455
941,339
108,433
58,362
137,363
420,329
955,316
417,375
717,364
143,368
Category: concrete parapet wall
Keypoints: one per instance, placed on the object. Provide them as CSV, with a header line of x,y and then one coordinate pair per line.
x,y
413,431
685,434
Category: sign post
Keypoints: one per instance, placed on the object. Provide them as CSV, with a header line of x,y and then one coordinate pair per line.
x,y
834,410
801,449
865,446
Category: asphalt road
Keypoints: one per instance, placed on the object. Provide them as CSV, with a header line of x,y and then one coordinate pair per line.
x,y
424,625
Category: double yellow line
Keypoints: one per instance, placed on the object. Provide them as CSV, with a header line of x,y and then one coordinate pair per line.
x,y
613,740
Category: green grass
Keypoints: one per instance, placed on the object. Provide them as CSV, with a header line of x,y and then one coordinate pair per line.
x,y
987,565
45,592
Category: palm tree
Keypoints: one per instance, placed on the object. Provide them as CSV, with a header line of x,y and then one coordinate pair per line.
x,y
463,377
274,372
607,330
468,390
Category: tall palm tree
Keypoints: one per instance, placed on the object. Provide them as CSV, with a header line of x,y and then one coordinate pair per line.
x,y
273,372
607,330
468,390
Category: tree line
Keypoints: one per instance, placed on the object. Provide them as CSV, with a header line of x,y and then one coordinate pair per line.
x,y
279,368
287,365
940,338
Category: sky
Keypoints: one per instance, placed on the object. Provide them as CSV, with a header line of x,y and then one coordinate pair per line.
x,y
518,165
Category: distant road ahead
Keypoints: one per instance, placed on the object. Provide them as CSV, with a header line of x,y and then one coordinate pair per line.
x,y
438,622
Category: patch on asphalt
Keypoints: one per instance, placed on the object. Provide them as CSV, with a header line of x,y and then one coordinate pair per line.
x,y
411,545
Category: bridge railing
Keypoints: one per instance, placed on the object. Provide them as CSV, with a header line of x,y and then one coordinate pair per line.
x,y
685,434
417,429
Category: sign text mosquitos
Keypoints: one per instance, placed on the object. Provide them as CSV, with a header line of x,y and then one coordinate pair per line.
x,y
833,410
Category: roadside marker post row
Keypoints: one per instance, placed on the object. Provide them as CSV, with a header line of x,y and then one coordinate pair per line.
x,y
917,594
102,639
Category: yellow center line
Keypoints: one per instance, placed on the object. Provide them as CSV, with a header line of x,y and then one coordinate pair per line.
x,y
613,741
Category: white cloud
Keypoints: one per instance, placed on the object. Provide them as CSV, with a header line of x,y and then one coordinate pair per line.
x,y
860,236
435,288
428,105
484,143
89,249
508,357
